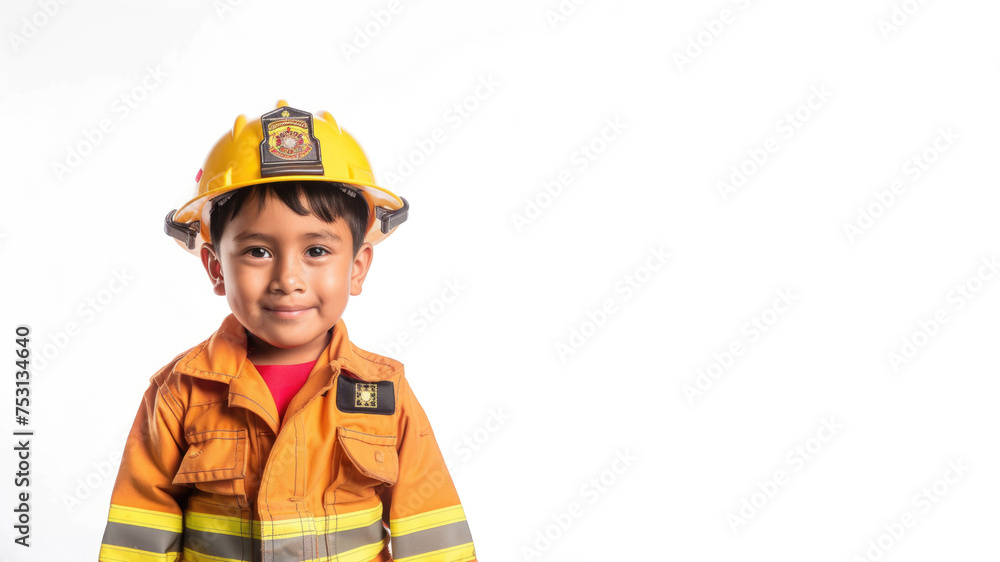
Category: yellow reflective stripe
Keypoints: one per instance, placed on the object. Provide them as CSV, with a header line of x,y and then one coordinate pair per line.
x,y
286,528
123,554
221,524
436,518
283,529
460,553
355,519
291,528
146,518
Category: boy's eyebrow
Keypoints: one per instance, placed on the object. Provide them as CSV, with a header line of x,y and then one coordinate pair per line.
x,y
310,235
323,236
250,236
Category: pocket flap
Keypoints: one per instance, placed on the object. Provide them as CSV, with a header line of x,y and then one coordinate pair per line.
x,y
213,455
374,455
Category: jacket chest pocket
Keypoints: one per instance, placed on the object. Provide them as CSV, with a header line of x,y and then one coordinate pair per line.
x,y
369,460
215,462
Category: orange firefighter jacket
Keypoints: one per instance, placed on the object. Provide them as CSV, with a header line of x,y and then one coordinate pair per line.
x,y
209,473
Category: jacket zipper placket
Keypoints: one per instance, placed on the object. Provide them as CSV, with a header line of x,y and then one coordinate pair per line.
x,y
267,556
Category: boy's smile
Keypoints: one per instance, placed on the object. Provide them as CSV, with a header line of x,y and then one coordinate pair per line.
x,y
287,279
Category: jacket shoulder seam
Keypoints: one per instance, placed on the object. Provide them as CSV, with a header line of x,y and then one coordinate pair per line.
x,y
200,349
163,379
377,359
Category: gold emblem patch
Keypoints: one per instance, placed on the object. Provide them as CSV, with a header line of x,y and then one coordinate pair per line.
x,y
288,139
366,395
357,396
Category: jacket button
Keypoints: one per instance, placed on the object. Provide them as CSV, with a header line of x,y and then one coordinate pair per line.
x,y
379,456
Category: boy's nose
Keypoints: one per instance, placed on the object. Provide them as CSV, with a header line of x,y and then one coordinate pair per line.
x,y
287,276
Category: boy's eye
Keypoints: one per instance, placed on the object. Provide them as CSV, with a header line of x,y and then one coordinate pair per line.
x,y
259,253
316,252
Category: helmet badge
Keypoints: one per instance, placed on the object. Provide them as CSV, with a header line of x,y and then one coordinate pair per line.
x,y
289,146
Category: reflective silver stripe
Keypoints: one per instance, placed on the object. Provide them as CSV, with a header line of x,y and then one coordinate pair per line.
x,y
283,550
141,538
344,541
292,549
220,544
429,540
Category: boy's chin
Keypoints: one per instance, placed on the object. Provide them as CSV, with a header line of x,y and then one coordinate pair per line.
x,y
285,344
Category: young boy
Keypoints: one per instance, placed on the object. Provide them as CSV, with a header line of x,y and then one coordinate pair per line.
x,y
276,439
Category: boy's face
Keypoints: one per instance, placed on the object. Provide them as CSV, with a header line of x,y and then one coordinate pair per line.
x,y
286,278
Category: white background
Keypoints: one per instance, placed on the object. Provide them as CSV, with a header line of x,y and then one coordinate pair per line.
x,y
494,351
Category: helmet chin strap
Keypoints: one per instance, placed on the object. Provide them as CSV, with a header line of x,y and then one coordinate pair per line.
x,y
186,232
386,218
391,219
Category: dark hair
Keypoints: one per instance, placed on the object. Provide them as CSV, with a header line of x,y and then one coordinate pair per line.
x,y
326,201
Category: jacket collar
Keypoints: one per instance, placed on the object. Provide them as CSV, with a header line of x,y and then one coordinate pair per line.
x,y
223,356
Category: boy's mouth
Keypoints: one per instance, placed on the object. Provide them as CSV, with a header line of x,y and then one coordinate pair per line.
x,y
288,311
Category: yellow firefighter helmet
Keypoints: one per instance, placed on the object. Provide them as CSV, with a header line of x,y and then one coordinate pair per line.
x,y
286,144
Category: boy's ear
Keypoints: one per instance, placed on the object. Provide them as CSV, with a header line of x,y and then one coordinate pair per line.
x,y
362,261
213,267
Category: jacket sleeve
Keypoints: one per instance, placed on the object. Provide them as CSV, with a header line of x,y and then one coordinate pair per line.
x,y
145,521
426,519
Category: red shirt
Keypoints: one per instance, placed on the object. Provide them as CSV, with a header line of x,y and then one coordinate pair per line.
x,y
284,381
